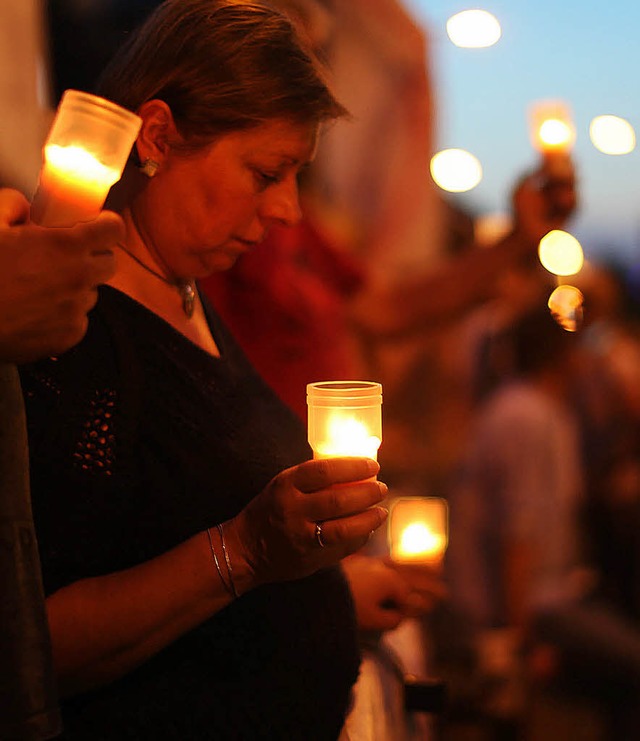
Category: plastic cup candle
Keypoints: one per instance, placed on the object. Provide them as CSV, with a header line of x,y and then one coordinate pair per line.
x,y
84,155
418,529
345,418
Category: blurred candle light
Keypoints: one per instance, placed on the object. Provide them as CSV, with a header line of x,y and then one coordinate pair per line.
x,y
612,135
489,228
551,127
345,418
565,304
455,170
418,529
561,253
84,155
474,29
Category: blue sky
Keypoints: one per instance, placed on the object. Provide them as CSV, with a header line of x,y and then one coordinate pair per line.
x,y
587,54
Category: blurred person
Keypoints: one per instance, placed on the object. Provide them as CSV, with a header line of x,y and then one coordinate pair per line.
x,y
515,502
218,610
48,284
519,562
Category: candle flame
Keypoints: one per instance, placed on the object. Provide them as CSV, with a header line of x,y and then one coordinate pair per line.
x,y
555,133
76,163
418,539
347,436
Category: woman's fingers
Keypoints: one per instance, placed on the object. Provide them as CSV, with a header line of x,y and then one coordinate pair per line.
x,y
320,474
347,531
343,500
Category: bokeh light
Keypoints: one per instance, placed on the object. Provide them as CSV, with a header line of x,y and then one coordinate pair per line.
x,y
474,29
555,133
551,126
612,135
455,170
561,253
565,304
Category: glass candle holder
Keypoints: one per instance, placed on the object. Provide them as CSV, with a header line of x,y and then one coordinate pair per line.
x,y
418,529
84,155
345,418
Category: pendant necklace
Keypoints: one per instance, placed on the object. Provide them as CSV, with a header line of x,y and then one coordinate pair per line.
x,y
186,288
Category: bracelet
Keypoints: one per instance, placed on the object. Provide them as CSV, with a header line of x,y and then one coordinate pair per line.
x,y
217,563
228,561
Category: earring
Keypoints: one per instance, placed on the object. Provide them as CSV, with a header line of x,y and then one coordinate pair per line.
x,y
149,167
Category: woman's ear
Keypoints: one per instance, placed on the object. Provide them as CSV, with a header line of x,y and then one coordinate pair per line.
x,y
158,130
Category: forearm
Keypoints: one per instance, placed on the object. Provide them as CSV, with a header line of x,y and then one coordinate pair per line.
x,y
393,312
104,627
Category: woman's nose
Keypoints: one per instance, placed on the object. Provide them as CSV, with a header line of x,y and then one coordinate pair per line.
x,y
282,203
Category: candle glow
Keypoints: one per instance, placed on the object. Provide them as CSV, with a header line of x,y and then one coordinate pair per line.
x,y
474,29
345,435
551,127
561,253
73,185
565,305
612,135
418,529
419,540
456,170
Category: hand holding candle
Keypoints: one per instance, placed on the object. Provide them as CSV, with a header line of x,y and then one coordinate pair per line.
x,y
84,155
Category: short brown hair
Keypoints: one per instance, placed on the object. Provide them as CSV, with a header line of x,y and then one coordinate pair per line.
x,y
220,65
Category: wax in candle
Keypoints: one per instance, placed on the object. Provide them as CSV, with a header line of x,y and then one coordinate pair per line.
x,y
73,186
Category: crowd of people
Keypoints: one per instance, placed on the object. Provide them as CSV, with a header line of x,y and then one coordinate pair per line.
x,y
174,564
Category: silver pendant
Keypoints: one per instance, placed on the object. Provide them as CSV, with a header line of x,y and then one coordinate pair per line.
x,y
188,293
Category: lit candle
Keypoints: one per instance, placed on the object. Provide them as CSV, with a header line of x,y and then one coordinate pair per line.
x,y
345,418
84,155
418,529
551,126
73,186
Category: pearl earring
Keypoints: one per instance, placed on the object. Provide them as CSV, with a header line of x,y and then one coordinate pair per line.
x,y
149,167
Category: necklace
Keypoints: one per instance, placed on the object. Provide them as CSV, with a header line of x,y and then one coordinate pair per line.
x,y
186,288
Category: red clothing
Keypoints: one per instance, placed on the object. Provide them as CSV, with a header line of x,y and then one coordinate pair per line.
x,y
285,304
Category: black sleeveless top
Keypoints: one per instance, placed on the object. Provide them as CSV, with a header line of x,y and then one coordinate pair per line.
x,y
138,440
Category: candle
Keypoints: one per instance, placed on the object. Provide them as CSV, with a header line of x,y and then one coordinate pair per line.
x,y
84,155
345,418
73,186
418,529
551,127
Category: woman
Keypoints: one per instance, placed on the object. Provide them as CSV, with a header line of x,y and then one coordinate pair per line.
x,y
188,549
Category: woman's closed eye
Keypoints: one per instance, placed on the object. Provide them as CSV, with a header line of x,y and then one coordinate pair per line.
x,y
264,179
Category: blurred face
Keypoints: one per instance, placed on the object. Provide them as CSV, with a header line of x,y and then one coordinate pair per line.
x,y
203,210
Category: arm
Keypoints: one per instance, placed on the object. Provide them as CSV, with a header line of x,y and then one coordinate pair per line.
x,y
104,627
48,279
542,201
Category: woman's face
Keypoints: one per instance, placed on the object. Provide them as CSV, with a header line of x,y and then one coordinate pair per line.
x,y
203,210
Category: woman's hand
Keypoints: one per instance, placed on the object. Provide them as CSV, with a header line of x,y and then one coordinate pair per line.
x,y
274,538
385,592
49,279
